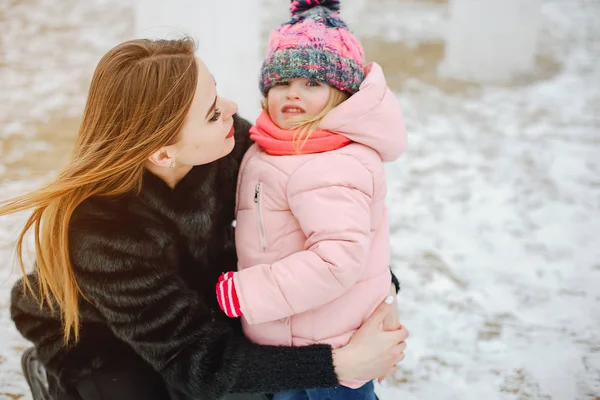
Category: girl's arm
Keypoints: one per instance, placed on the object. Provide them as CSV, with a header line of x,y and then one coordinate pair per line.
x,y
330,196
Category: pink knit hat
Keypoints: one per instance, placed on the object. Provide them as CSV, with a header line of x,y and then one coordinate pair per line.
x,y
315,44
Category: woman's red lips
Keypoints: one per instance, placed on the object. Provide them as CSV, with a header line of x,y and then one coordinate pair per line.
x,y
230,134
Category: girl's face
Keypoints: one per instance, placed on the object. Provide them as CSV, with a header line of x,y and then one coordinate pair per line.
x,y
298,97
207,133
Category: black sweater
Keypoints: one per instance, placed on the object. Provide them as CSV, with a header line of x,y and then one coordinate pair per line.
x,y
147,265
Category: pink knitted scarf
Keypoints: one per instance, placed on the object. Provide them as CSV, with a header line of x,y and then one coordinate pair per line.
x,y
279,142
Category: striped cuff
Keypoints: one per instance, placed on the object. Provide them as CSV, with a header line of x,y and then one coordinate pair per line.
x,y
227,296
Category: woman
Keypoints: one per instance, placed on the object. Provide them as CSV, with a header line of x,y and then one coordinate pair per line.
x,y
132,236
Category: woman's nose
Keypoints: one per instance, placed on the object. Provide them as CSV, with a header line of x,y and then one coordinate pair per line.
x,y
230,108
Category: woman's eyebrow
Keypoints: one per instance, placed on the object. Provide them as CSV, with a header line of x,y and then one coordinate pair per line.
x,y
211,107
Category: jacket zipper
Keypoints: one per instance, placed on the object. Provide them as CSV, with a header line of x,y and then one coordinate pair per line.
x,y
261,228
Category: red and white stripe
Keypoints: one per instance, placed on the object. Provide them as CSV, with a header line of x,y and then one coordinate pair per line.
x,y
227,296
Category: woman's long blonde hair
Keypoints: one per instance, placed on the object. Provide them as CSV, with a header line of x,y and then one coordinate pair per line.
x,y
139,96
305,126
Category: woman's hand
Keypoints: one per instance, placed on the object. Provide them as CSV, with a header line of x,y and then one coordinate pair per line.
x,y
392,319
371,352
391,323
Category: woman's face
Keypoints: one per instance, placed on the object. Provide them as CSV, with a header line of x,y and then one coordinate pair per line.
x,y
207,133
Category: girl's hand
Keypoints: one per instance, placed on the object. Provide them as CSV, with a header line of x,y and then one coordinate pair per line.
x,y
371,352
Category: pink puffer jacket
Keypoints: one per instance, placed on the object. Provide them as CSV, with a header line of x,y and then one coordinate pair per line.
x,y
312,230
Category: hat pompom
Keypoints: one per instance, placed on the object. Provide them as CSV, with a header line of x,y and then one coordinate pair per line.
x,y
299,6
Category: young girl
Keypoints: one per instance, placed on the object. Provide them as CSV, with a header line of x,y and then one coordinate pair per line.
x,y
312,227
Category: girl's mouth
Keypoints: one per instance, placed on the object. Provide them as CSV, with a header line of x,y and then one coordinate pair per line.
x,y
231,132
292,110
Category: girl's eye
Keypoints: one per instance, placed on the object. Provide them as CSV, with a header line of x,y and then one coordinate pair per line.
x,y
282,84
313,83
215,116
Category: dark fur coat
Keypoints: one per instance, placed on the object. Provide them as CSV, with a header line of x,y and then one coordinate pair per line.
x,y
147,265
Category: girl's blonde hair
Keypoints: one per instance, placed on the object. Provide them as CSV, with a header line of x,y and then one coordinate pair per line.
x,y
305,126
139,96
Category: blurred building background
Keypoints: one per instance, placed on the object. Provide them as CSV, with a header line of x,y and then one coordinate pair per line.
x,y
495,205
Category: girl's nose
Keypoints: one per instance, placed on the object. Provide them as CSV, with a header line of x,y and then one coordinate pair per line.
x,y
292,92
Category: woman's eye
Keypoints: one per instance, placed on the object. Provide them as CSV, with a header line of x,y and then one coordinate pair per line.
x,y
215,116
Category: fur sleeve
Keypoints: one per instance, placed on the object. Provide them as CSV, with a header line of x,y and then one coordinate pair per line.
x,y
133,281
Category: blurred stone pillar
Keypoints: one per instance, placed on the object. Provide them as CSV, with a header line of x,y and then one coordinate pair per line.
x,y
228,37
491,40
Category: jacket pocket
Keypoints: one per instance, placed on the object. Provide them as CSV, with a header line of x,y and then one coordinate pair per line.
x,y
259,213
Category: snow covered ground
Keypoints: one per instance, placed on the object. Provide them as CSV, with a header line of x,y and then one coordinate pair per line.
x,y
494,207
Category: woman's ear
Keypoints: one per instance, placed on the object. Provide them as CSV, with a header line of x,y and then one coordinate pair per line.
x,y
163,157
